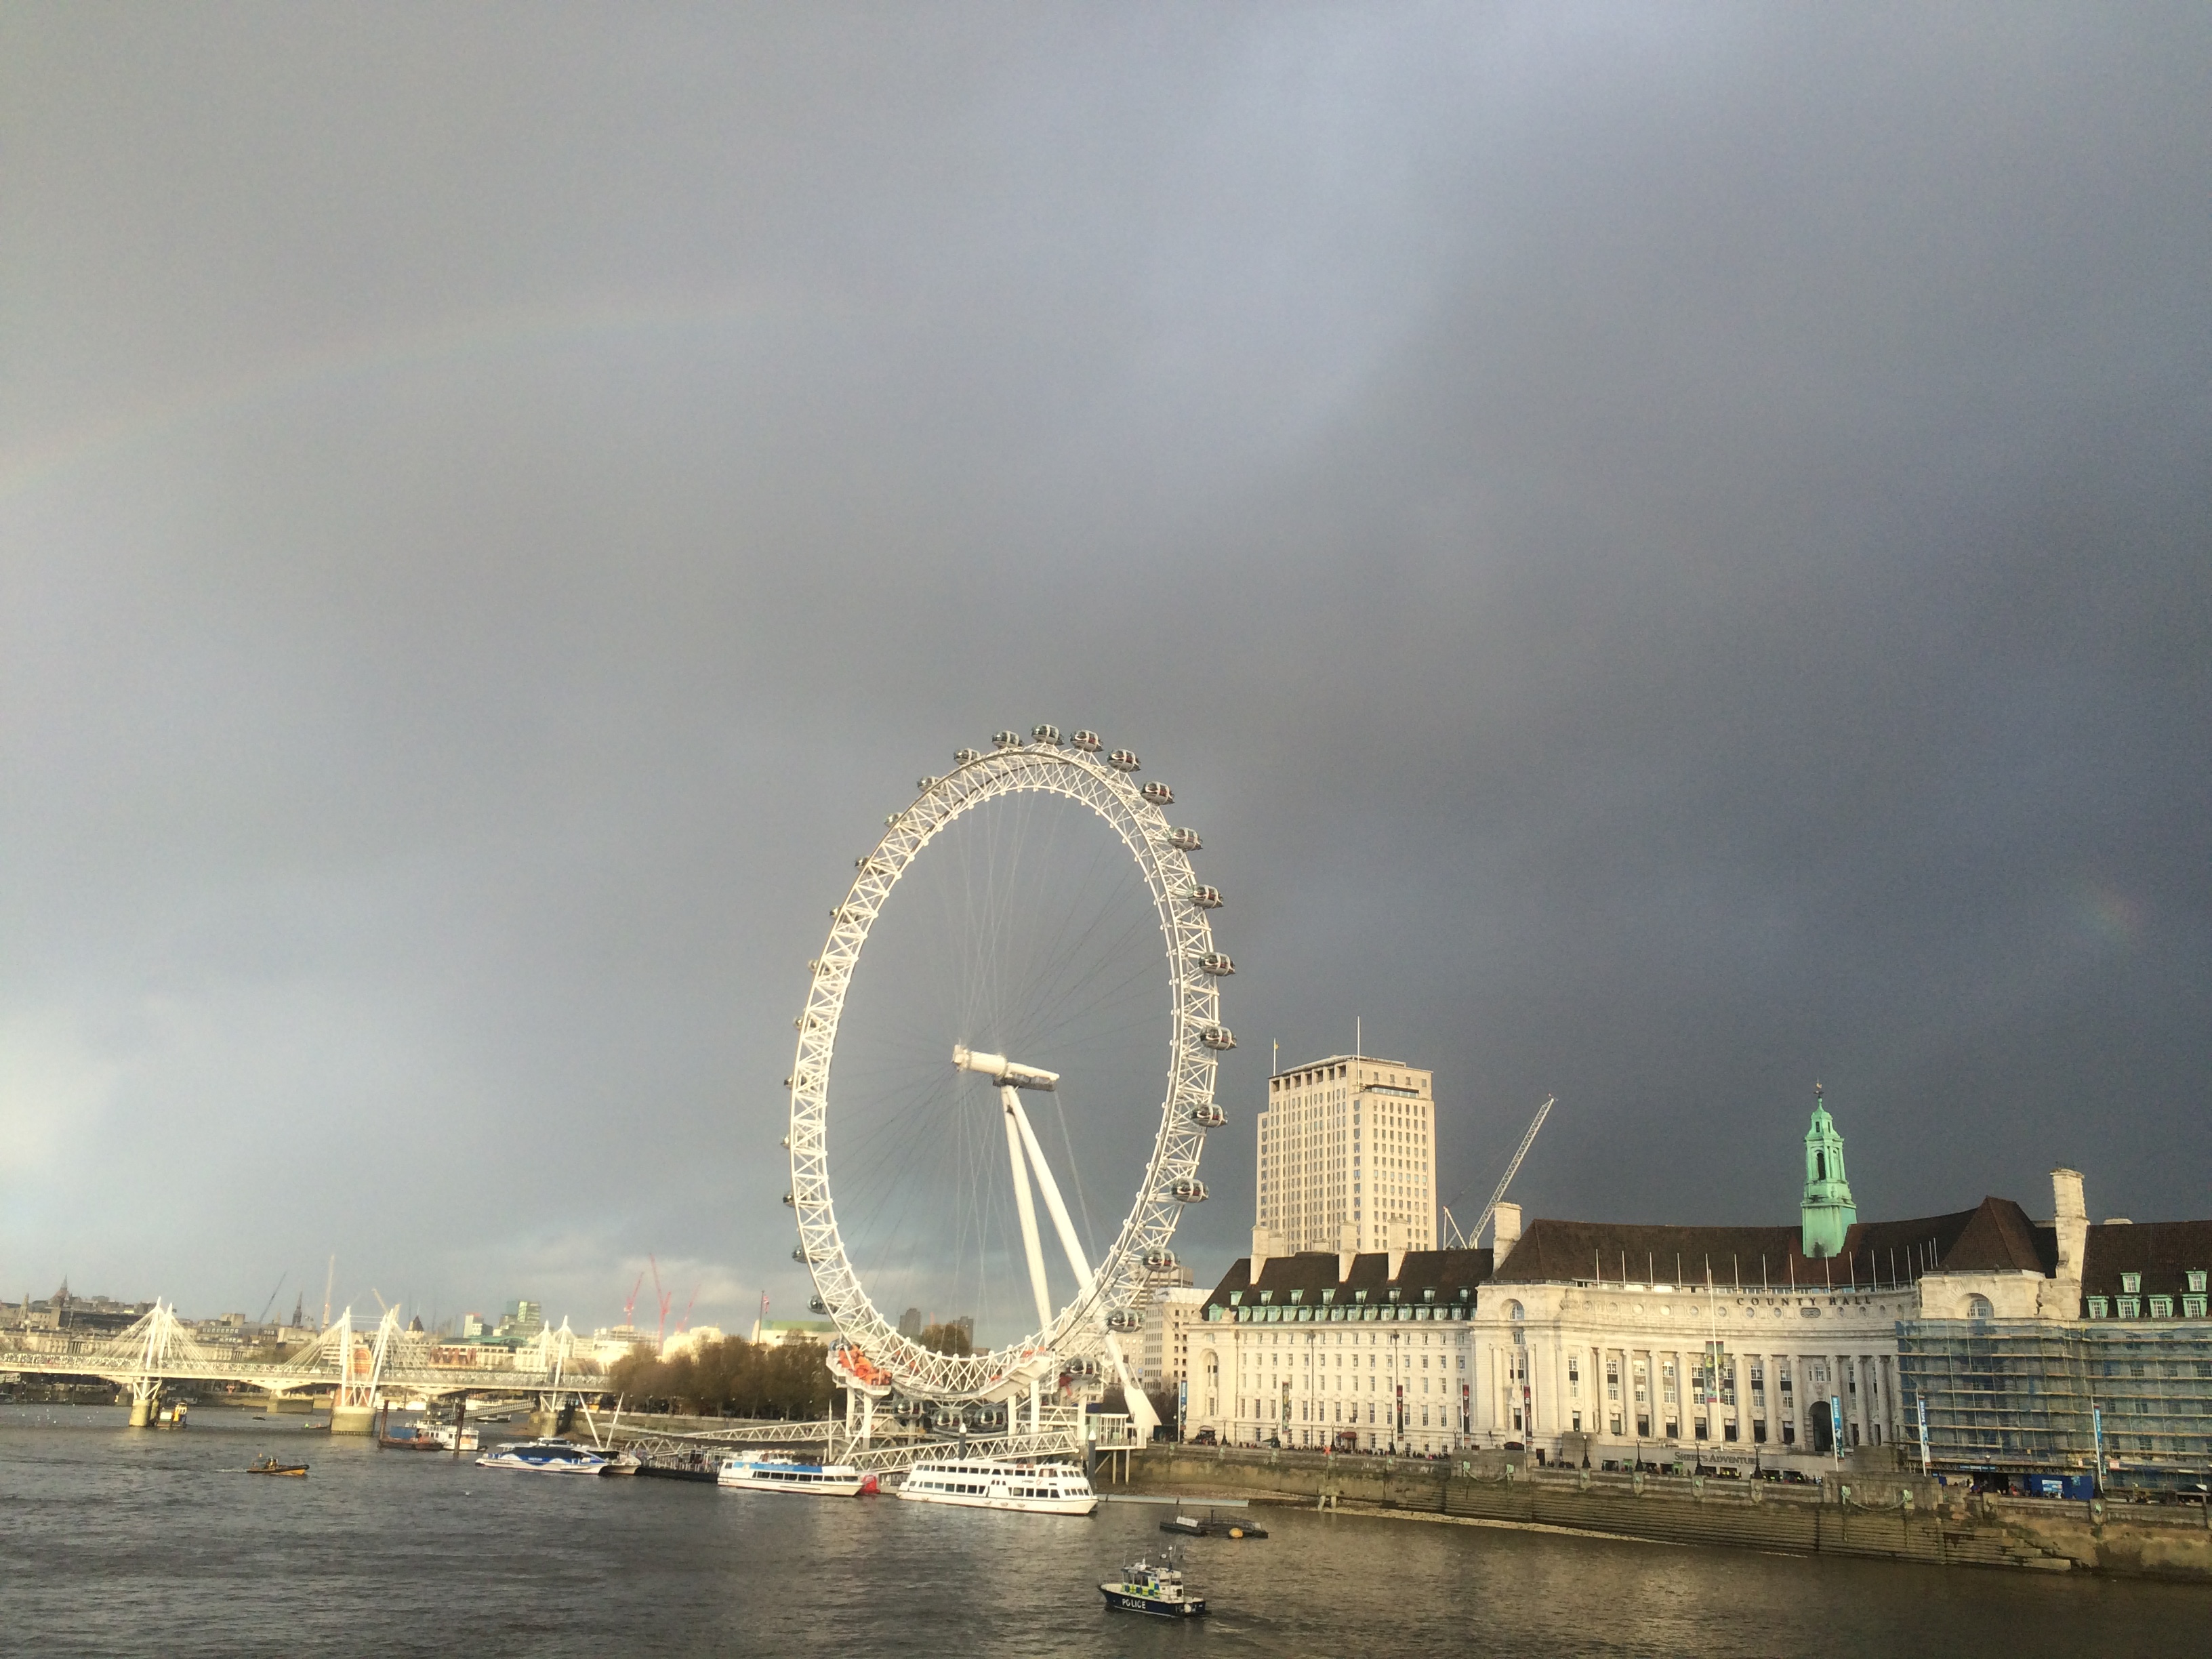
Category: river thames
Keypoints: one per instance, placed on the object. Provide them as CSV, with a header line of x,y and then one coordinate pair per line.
x,y
122,1541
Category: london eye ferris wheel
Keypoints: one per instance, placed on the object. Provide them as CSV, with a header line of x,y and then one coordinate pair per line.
x,y
1001,1055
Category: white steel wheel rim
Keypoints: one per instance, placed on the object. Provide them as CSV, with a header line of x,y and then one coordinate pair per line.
x,y
1120,1278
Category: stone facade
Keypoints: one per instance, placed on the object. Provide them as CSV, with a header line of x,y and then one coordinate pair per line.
x,y
1165,1354
1715,1347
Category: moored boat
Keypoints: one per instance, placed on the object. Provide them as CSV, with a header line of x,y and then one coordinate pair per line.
x,y
788,1475
1212,1526
544,1457
1159,1590
984,1483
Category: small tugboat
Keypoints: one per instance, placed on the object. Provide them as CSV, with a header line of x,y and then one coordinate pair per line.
x,y
544,1457
1154,1590
271,1466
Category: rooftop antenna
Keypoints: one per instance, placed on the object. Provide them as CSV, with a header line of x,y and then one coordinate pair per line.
x,y
1358,1038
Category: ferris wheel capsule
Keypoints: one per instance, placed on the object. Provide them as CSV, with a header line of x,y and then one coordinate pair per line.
x,y
1206,898
965,757
1047,734
1006,740
1189,1190
1216,964
1184,841
1088,742
1158,793
1208,1116
1217,1036
926,783
817,1304
1161,1261
1123,760
1123,1320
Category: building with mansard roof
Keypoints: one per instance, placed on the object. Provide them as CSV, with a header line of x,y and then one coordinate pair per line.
x,y
1724,1347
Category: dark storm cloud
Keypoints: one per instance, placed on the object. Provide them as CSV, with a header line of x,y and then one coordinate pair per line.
x,y
1667,553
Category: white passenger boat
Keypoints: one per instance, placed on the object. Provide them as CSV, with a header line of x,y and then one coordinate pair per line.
x,y
983,1483
544,1457
789,1475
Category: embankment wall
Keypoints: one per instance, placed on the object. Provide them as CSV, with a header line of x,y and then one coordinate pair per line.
x,y
1884,1515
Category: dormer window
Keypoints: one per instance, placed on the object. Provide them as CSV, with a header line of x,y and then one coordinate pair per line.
x,y
1393,1292
1430,1294
1359,1296
1235,1297
2196,1280
1327,1297
1297,1295
2130,1283
2099,1307
2131,1307
2161,1307
1265,1297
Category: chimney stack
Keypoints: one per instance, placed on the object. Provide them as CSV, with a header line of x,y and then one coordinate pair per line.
x,y
1505,1234
2070,1211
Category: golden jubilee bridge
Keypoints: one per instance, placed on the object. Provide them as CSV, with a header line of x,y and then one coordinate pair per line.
x,y
360,1367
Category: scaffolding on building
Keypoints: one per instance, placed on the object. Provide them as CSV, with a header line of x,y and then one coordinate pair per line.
x,y
2130,1401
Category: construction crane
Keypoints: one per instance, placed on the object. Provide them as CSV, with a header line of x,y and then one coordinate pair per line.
x,y
660,1336
631,1304
1457,1240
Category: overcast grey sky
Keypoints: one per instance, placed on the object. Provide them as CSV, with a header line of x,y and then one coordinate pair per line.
x,y
1667,551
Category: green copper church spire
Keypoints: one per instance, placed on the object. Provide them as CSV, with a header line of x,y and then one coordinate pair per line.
x,y
1827,1211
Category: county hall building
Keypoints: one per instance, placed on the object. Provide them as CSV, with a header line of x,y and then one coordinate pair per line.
x,y
1616,1343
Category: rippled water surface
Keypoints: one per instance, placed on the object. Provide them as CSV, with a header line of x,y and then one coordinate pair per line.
x,y
119,1541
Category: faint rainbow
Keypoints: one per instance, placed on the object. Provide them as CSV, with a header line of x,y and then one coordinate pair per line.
x,y
503,332
2110,914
